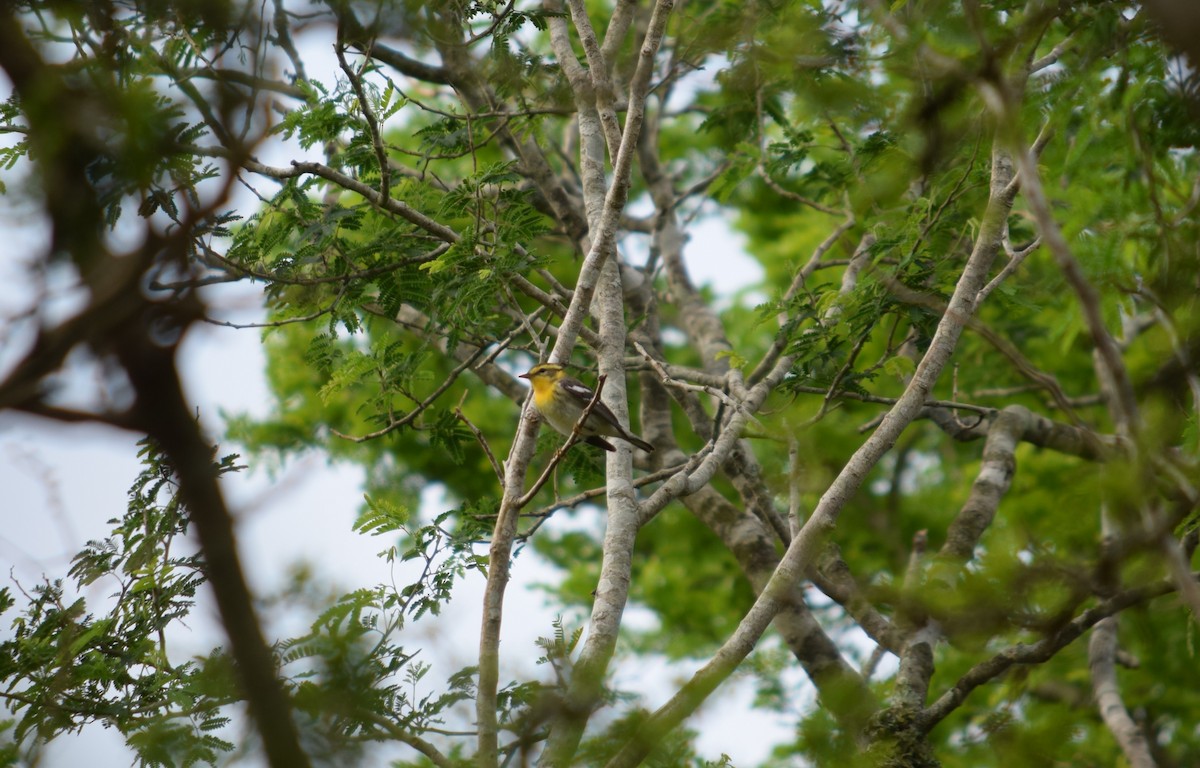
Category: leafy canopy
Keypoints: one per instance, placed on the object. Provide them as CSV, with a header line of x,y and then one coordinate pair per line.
x,y
947,445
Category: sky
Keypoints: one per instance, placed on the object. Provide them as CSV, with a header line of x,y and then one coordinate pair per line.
x,y
62,483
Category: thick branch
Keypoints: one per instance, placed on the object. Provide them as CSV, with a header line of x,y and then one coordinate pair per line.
x,y
612,590
602,245
805,546
166,415
995,475
839,686
598,68
364,40
1102,654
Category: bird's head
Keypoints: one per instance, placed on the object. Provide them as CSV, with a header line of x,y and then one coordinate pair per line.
x,y
543,371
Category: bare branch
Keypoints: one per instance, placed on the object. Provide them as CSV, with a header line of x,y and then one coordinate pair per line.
x,y
1015,258
1102,652
603,243
1053,56
598,68
1038,652
995,475
483,443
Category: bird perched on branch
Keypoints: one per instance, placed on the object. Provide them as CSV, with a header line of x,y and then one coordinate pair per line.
x,y
561,400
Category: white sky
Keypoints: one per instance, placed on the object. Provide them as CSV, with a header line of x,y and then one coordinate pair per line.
x,y
62,483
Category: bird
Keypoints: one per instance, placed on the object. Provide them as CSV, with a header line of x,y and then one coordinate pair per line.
x,y
561,399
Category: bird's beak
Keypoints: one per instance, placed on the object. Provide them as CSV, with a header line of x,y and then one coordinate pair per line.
x,y
523,376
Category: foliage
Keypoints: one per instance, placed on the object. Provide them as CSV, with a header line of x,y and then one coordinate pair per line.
x,y
66,665
947,444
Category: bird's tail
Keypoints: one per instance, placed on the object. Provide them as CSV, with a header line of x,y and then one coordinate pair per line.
x,y
639,442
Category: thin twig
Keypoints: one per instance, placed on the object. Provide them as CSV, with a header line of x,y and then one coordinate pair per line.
x,y
545,513
1037,652
385,173
487,449
409,417
1015,258
669,381
813,264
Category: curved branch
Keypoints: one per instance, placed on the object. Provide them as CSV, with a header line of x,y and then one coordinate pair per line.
x,y
995,475
1102,654
1038,652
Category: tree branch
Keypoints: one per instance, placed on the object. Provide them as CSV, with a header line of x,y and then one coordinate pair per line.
x,y
805,546
1038,652
1102,652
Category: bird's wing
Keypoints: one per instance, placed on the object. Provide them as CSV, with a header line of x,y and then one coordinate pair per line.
x,y
584,394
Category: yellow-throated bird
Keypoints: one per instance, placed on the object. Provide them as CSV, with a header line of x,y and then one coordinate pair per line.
x,y
561,400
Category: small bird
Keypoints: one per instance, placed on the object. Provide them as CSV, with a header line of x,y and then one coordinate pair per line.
x,y
561,400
